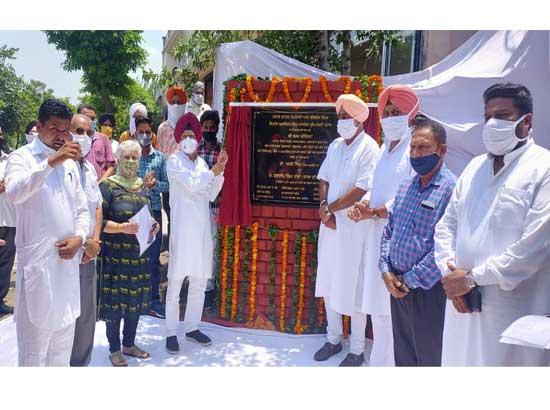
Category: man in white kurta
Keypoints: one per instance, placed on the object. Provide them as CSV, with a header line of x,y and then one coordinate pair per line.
x,y
397,106
193,185
345,176
52,224
495,235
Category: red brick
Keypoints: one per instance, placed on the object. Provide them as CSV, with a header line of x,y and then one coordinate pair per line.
x,y
256,211
309,213
304,225
284,224
280,212
267,211
294,213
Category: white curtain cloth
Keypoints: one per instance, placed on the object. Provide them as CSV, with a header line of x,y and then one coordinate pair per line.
x,y
450,91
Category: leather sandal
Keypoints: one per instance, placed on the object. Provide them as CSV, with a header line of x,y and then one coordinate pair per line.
x,y
135,351
118,360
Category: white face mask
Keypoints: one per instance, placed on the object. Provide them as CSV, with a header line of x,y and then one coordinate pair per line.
x,y
198,99
30,137
395,127
175,112
85,143
188,145
499,136
347,128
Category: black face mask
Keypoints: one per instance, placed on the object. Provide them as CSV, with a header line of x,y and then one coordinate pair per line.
x,y
210,136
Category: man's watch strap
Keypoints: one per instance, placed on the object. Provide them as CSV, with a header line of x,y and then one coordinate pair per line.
x,y
470,282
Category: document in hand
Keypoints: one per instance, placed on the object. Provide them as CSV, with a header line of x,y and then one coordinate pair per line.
x,y
145,221
531,331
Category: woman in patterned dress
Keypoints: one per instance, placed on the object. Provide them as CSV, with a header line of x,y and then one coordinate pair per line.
x,y
125,280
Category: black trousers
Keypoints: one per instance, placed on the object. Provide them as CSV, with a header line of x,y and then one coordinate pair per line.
x,y
7,257
128,333
417,322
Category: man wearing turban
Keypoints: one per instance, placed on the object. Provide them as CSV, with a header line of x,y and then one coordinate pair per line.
x,y
137,110
345,177
175,100
196,104
193,185
397,106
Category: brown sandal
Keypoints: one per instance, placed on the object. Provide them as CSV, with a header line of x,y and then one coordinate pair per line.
x,y
135,351
118,360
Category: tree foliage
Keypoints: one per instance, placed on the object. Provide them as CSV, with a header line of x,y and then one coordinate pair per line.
x,y
121,105
105,58
19,99
328,50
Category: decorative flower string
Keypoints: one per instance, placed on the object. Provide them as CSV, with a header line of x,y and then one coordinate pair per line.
x,y
283,283
299,329
273,237
252,298
346,326
234,291
245,272
312,239
224,270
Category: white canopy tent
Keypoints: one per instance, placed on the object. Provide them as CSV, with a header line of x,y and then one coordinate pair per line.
x,y
450,91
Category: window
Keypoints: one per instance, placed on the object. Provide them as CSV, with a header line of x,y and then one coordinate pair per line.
x,y
399,58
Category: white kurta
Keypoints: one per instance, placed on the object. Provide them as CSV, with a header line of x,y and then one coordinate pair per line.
x,y
498,226
192,187
90,186
7,210
50,206
392,169
339,269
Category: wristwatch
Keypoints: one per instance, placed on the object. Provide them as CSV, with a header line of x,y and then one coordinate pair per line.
x,y
85,244
469,278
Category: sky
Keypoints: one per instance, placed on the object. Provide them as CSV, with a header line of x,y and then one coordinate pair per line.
x,y
33,47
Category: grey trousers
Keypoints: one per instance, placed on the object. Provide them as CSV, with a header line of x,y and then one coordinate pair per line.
x,y
85,325
417,322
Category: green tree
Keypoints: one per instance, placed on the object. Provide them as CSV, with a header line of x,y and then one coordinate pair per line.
x,y
121,105
105,57
328,50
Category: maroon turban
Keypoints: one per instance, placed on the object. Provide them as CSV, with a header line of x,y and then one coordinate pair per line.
x,y
188,120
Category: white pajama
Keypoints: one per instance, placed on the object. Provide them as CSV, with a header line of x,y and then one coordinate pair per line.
x,y
193,310
382,348
335,329
41,347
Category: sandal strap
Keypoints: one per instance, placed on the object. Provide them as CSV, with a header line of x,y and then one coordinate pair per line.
x,y
117,359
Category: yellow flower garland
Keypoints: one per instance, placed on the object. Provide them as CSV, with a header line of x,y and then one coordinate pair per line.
x,y
299,329
225,255
252,298
235,273
283,282
320,312
346,326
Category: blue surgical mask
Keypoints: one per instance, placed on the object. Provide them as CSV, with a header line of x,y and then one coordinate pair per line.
x,y
93,125
424,165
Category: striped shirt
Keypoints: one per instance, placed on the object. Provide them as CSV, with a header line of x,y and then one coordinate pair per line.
x,y
407,246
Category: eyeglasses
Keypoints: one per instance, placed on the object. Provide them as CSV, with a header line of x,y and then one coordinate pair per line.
x,y
82,131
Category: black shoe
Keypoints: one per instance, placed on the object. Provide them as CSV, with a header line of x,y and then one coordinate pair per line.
x,y
209,299
198,337
353,360
6,310
327,351
157,310
172,345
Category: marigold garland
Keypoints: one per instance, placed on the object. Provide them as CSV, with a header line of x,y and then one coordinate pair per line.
x,y
252,298
307,89
273,237
299,329
283,282
224,271
253,97
347,79
346,320
234,292
324,88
